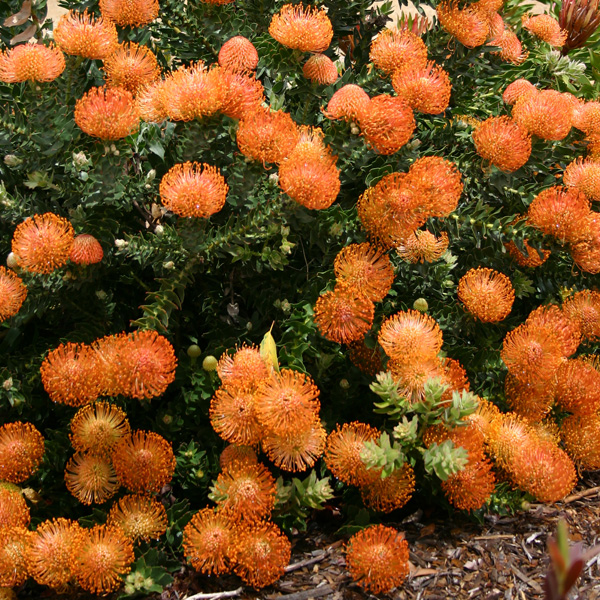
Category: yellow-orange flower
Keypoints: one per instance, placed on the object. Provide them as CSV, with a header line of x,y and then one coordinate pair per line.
x,y
12,294
235,452
302,28
268,136
193,190
83,34
468,25
578,388
411,374
343,316
233,415
531,400
244,94
21,451
586,253
422,246
584,308
86,250
98,427
107,113
389,493
377,558
388,124
483,417
502,141
511,49
238,55
150,101
553,320
14,511
518,89
470,488
43,243
398,50
426,89
547,114
130,12
581,437
506,432
586,117
350,103
31,62
144,461
140,517
584,175
546,28
487,294
91,478
245,369
368,360
14,546
319,68
131,67
103,557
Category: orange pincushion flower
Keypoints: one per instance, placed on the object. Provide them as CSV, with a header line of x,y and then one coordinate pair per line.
x,y
511,49
422,246
505,433
426,89
208,542
14,546
472,487
495,21
51,560
12,294
584,175
377,558
245,369
102,558
82,34
144,461
586,253
262,552
546,28
455,376
193,190
518,89
107,113
245,491
233,415
140,517
31,62
43,243
560,212
411,375
530,400
390,493
487,294
308,29
349,103
308,174
581,437
98,427
586,117
131,67
364,358
91,478
584,308
398,50
554,320
21,451
410,336
468,25
150,101
343,316
547,114
388,124
483,417
267,136
501,141
86,250
130,12
366,269
238,55
235,452
578,387
14,511
244,94
319,68
343,450
532,259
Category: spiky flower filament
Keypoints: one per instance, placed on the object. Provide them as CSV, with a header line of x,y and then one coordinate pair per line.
x,y
584,309
505,433
584,175
586,253
12,294
233,415
131,67
114,368
343,316
472,487
502,141
208,542
262,552
483,417
425,89
487,294
511,49
467,436
244,94
98,427
368,360
238,452
396,50
86,250
14,511
517,89
365,268
151,102
31,62
377,558
546,28
586,117
140,517
349,103
245,369
530,400
468,25
530,257
83,34
302,28
91,478
136,13
423,246
555,321
21,451
578,387
103,557
412,374
15,542
144,461
388,493
245,491
238,54
547,114
319,68
581,437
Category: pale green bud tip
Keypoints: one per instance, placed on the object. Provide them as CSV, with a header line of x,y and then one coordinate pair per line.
x,y
421,305
194,351
11,261
7,384
209,363
169,265
11,160
344,384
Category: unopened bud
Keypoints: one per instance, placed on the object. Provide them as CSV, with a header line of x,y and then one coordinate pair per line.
x,y
10,160
159,230
151,175
169,265
421,305
7,384
210,363
80,159
344,384
274,178
101,295
11,261
354,129
194,351
120,243
167,419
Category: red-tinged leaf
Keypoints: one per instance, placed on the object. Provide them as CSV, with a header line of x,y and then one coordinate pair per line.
x,y
20,17
556,556
23,37
572,575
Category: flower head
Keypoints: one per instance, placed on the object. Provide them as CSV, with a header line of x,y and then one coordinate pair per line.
x,y
83,34
140,517
150,101
579,18
578,388
468,25
470,488
411,375
245,369
86,250
581,437
546,28
21,451
12,294
586,117
98,427
531,400
389,493
130,12
584,309
584,175
14,511
107,113
349,103
131,67
238,55
377,558
43,243
519,88
502,141
144,461
320,69
112,363
552,319
487,294
396,50
368,360
423,246
511,49
547,114
244,94
193,190
235,452
91,478
31,62
14,546
302,28
425,89
233,415
343,316
586,253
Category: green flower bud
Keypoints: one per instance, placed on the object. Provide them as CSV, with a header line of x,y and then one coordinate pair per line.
x,y
421,305
194,351
210,363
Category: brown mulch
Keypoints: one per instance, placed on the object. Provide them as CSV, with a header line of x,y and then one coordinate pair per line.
x,y
457,559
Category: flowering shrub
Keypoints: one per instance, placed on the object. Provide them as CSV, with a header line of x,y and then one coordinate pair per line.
x,y
261,256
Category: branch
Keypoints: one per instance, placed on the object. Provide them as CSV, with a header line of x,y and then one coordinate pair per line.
x,y
215,595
